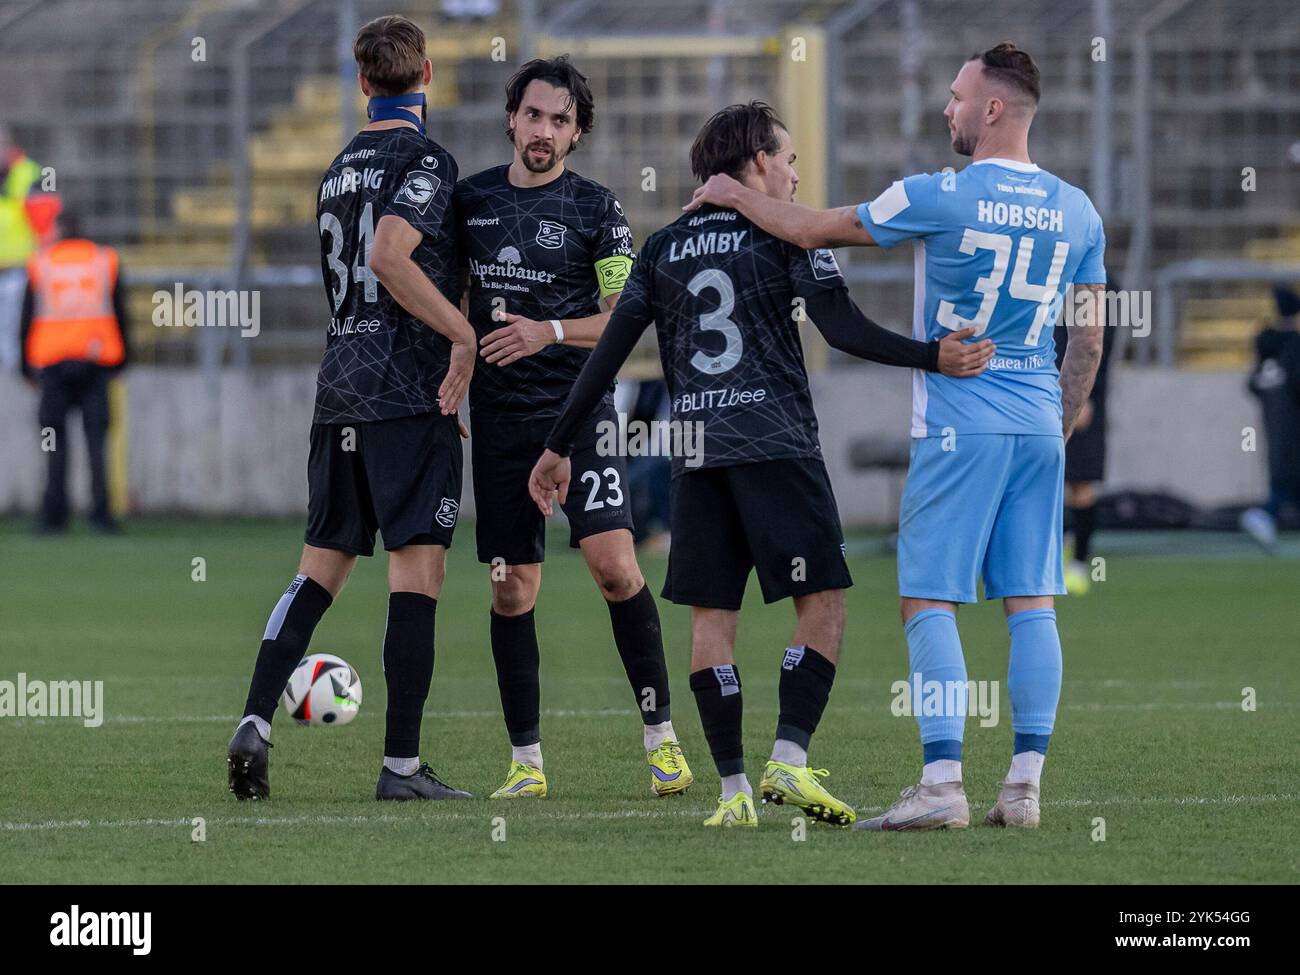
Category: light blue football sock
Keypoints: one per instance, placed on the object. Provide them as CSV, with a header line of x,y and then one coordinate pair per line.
x,y
1034,676
937,682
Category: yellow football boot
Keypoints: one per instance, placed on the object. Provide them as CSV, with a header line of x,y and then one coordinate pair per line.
x,y
736,811
669,773
522,782
1077,579
801,786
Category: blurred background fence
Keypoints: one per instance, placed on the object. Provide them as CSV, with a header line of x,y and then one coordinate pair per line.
x,y
191,134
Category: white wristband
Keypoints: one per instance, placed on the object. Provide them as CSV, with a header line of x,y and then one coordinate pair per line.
x,y
559,329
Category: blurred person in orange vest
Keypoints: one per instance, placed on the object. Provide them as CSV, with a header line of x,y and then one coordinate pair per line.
x,y
74,339
19,188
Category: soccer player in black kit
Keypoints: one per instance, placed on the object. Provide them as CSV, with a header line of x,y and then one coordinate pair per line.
x,y
543,247
385,447
726,299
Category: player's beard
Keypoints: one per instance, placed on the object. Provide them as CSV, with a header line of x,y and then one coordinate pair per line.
x,y
963,145
545,165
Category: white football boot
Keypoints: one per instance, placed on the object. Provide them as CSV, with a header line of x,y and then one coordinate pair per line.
x,y
1259,525
941,806
1017,805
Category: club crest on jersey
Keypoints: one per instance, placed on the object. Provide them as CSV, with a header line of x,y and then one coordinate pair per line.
x,y
418,190
551,234
447,512
823,264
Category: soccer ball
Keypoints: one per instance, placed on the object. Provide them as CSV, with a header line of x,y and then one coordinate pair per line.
x,y
323,689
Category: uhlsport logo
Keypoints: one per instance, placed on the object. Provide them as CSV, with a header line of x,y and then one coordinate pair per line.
x,y
103,929
447,512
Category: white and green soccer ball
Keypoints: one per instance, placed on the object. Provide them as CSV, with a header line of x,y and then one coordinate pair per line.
x,y
323,690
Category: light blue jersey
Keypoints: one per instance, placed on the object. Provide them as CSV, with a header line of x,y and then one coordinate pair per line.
x,y
997,246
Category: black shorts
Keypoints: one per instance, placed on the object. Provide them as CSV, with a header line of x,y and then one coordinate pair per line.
x,y
1085,453
776,516
509,525
399,476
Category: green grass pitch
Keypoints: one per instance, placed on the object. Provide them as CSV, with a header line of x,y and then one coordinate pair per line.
x,y
1151,737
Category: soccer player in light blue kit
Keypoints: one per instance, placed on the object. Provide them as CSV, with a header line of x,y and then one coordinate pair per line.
x,y
997,247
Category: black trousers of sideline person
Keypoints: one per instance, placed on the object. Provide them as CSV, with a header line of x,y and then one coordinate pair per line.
x,y
65,386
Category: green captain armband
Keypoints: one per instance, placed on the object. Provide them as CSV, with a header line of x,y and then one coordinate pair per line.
x,y
612,272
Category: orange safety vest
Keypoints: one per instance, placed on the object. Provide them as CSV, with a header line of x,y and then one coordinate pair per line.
x,y
72,283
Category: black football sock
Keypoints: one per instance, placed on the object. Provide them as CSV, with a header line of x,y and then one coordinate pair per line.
x,y
1085,520
408,669
717,695
284,643
806,678
514,649
641,646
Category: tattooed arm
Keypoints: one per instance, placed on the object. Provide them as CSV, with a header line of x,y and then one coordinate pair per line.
x,y
1082,352
803,226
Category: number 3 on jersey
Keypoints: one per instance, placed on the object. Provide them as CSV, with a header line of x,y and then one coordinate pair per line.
x,y
718,320
990,285
361,273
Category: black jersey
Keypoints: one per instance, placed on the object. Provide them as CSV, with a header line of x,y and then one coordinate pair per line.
x,y
381,362
725,297
543,252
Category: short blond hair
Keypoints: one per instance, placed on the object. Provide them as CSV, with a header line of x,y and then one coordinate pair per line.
x,y
390,54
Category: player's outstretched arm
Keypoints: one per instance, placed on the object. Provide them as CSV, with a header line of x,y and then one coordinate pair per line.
x,y
519,336
802,226
391,263
846,328
626,325
1082,352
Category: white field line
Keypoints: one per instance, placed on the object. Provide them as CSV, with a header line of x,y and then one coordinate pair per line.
x,y
189,679
1178,706
325,820
52,825
124,719
232,718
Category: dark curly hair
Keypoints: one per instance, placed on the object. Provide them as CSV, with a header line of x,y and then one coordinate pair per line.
x,y
557,71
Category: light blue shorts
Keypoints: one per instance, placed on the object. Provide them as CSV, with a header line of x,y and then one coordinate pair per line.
x,y
992,508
